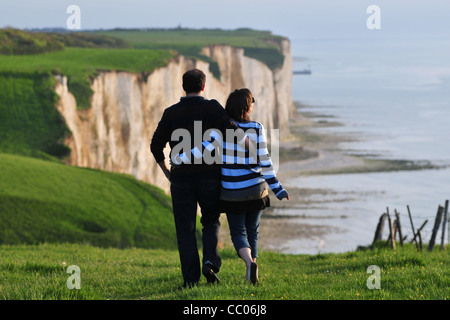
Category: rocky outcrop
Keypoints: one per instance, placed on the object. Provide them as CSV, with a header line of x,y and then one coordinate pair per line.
x,y
114,134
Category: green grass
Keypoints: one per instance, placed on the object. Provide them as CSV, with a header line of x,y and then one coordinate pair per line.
x,y
202,37
39,272
261,45
77,61
44,201
16,41
31,125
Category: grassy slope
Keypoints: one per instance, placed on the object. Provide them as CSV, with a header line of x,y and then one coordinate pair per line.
x,y
38,272
31,125
44,201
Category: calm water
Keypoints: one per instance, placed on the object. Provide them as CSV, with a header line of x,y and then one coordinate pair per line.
x,y
394,95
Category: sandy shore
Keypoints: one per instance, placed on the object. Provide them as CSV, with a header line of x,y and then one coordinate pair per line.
x,y
307,152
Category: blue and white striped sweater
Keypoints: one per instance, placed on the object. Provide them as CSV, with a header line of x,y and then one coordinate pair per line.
x,y
241,169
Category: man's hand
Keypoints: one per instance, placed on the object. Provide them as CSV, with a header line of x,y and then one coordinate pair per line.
x,y
165,168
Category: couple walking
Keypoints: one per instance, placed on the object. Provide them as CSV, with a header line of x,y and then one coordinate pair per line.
x,y
237,186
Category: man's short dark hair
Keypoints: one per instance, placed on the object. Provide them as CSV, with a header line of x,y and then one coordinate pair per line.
x,y
193,81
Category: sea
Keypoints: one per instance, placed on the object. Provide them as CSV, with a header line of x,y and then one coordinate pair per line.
x,y
392,94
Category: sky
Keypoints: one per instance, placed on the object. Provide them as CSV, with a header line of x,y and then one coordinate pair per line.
x,y
290,18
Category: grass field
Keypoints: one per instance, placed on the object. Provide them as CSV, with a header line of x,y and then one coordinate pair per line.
x,y
40,272
260,45
120,233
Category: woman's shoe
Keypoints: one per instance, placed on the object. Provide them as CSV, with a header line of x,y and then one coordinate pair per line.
x,y
252,273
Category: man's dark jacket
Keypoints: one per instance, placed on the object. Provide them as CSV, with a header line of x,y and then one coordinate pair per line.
x,y
182,115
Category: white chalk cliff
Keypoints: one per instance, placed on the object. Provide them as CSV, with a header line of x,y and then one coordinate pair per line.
x,y
114,134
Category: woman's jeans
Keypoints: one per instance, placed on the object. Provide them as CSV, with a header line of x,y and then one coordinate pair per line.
x,y
244,228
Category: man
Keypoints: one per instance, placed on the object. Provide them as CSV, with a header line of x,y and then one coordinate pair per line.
x,y
195,183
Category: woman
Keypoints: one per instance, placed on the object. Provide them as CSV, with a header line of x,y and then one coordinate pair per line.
x,y
245,176
244,194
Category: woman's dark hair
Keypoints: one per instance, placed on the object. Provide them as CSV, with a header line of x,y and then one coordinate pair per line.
x,y
193,81
238,104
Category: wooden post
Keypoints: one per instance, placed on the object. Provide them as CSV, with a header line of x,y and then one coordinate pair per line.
x,y
391,227
420,239
443,224
437,223
397,215
395,228
412,227
379,230
420,229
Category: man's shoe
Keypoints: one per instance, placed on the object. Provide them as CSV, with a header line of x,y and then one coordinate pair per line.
x,y
188,285
209,271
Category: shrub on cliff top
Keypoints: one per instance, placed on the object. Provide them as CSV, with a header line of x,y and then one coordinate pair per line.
x,y
15,41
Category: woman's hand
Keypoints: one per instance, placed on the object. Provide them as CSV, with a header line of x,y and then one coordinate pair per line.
x,y
283,195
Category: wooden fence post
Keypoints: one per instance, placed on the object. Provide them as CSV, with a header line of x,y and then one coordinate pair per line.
x,y
379,230
437,222
395,228
443,224
412,227
391,227
397,215
420,229
420,239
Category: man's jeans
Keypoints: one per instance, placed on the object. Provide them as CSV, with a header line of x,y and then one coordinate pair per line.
x,y
185,197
